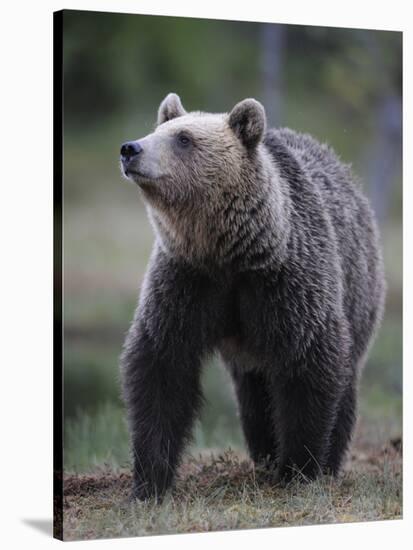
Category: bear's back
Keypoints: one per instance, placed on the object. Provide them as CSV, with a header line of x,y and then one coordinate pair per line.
x,y
311,168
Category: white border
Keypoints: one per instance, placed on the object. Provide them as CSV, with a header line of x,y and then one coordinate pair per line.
x,y
26,262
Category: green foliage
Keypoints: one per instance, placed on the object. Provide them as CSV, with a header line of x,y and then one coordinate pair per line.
x,y
126,62
96,440
146,54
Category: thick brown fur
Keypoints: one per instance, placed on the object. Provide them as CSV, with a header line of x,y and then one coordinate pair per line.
x,y
267,251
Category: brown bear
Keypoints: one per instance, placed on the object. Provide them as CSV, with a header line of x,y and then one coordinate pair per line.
x,y
267,252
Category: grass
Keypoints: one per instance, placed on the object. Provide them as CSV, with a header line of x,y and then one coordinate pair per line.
x,y
225,492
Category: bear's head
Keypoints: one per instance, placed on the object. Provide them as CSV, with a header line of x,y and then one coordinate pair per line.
x,y
197,170
192,152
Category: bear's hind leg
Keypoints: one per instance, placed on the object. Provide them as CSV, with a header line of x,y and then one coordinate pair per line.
x,y
306,407
256,418
343,430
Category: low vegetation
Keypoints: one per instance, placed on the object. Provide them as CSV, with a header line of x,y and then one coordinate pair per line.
x,y
225,491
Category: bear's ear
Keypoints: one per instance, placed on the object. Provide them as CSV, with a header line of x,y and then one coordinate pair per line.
x,y
248,121
171,107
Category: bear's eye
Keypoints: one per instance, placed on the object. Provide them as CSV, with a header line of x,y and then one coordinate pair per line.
x,y
183,140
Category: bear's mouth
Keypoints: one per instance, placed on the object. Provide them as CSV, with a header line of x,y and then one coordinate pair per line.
x,y
138,176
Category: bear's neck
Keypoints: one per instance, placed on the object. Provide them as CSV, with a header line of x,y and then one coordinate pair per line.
x,y
246,229
255,224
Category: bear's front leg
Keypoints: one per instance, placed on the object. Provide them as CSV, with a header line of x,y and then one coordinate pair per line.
x,y
162,395
160,368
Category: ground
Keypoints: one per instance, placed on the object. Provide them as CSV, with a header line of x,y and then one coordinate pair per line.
x,y
224,491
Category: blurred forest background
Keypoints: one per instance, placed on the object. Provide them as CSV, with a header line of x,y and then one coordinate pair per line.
x,y
341,85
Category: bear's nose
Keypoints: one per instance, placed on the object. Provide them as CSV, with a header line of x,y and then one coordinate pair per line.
x,y
130,149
